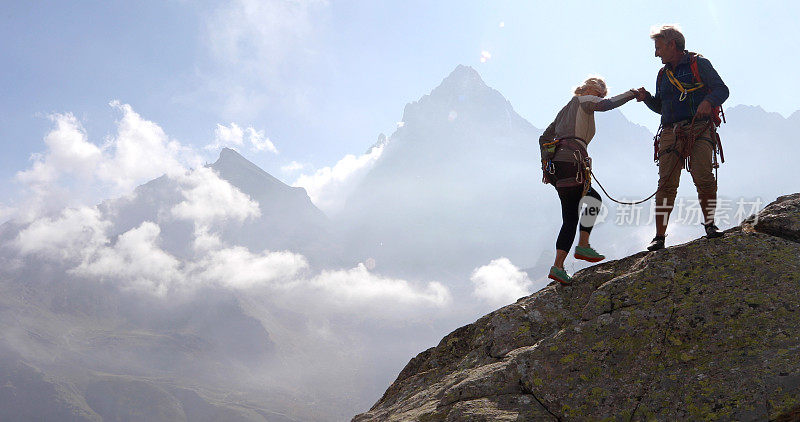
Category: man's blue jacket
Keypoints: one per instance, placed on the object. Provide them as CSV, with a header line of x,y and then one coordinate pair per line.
x,y
667,99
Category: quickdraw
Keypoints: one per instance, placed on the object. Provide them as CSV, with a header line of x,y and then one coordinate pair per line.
x,y
584,174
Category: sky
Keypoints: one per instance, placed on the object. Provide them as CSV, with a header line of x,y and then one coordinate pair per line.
x,y
97,97
296,86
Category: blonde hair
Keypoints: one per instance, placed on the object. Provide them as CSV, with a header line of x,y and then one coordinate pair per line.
x,y
594,82
669,33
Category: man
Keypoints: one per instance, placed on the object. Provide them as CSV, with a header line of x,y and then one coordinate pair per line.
x,y
687,107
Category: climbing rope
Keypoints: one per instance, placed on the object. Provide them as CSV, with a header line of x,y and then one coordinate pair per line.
x,y
687,143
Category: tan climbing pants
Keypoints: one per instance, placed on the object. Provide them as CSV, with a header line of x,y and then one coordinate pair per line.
x,y
670,164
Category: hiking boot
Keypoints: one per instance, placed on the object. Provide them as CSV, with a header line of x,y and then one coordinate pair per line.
x,y
588,254
560,276
712,231
657,243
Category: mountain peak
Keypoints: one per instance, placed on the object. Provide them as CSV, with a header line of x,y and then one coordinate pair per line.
x,y
230,159
465,73
462,79
228,154
462,95
249,177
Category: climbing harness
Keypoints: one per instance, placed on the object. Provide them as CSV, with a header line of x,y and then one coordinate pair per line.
x,y
583,175
685,137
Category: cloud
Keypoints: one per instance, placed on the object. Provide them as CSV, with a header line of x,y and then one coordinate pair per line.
x,y
72,170
257,47
73,234
68,152
293,166
259,141
135,261
358,286
329,187
225,136
500,282
285,276
6,213
209,199
239,268
255,33
141,151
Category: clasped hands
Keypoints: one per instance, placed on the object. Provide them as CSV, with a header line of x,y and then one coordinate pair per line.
x,y
705,109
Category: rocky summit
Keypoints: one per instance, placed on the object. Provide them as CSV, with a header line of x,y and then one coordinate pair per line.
x,y
707,330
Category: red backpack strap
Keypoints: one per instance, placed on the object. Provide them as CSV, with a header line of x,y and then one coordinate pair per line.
x,y
695,70
660,75
696,74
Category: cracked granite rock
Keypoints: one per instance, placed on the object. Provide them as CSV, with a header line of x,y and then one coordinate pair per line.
x,y
708,330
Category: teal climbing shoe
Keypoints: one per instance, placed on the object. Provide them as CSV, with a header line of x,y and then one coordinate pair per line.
x,y
560,276
588,254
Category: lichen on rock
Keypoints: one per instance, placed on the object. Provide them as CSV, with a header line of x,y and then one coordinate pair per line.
x,y
708,330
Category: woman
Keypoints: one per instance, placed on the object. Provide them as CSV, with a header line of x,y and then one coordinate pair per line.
x,y
567,166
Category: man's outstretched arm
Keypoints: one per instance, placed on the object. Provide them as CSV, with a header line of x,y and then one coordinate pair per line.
x,y
652,102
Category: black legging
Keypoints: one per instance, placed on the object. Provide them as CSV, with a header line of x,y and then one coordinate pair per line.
x,y
570,205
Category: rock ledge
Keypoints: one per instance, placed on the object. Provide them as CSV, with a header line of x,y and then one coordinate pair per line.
x,y
707,330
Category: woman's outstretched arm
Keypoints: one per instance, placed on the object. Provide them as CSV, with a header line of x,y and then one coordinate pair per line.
x,y
592,103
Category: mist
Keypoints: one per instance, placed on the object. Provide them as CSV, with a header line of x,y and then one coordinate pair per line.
x,y
131,270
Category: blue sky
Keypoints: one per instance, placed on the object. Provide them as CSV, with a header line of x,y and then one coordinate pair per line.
x,y
321,79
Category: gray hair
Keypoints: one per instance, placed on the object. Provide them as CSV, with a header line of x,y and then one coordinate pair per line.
x,y
595,82
669,33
